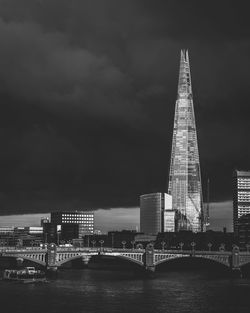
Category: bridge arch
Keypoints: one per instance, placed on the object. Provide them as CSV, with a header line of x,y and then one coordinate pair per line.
x,y
67,258
245,263
30,258
223,262
130,259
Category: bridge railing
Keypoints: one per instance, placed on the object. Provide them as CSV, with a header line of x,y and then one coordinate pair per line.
x,y
22,249
107,249
192,251
97,249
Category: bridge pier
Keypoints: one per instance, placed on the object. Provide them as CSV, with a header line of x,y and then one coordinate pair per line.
x,y
85,259
52,269
148,259
51,260
235,262
236,272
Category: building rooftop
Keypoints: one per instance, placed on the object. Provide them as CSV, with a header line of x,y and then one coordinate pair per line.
x,y
242,173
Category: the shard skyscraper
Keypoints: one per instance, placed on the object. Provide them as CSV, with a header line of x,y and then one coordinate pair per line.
x,y
184,176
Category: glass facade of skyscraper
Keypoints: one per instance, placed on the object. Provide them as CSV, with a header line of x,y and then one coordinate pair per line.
x,y
155,213
184,176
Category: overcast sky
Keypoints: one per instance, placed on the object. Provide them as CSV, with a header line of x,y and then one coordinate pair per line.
x,y
87,95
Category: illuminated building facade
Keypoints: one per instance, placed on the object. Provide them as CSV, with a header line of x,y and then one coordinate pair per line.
x,y
241,196
184,175
69,225
84,219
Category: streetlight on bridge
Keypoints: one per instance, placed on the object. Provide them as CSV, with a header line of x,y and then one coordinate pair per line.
x,y
139,246
101,243
93,243
123,244
222,247
181,245
193,244
133,244
248,247
163,243
209,246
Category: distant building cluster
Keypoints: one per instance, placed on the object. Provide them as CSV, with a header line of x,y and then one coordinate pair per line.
x,y
21,236
62,227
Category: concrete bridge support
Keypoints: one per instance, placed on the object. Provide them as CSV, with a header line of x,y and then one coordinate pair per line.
x,y
51,260
85,259
235,262
148,259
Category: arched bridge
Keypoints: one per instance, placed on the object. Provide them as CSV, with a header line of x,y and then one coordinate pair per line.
x,y
53,256
35,255
223,258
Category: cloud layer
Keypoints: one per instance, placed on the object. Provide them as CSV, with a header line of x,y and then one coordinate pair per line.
x,y
87,98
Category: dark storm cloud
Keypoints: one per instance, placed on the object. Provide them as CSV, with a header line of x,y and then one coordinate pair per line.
x,y
87,98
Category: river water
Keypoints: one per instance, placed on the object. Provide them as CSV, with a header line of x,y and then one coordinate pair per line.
x,y
105,291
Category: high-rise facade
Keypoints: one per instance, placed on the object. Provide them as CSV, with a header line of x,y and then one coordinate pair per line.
x,y
184,175
241,196
155,213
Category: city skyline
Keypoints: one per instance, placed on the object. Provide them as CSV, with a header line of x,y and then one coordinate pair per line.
x,y
100,128
63,144
126,218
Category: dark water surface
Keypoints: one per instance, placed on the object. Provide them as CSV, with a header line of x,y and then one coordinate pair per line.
x,y
122,291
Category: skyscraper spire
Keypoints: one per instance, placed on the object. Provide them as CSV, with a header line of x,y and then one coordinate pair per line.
x,y
184,85
184,176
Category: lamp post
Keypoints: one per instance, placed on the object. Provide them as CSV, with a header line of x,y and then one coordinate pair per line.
x,y
101,243
193,244
222,247
181,245
248,247
139,246
58,238
133,244
93,243
209,246
123,244
163,245
112,240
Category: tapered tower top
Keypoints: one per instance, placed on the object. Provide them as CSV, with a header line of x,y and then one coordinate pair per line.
x,y
184,85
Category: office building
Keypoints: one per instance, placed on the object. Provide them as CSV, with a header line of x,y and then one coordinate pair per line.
x,y
184,175
154,209
69,225
244,231
241,196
